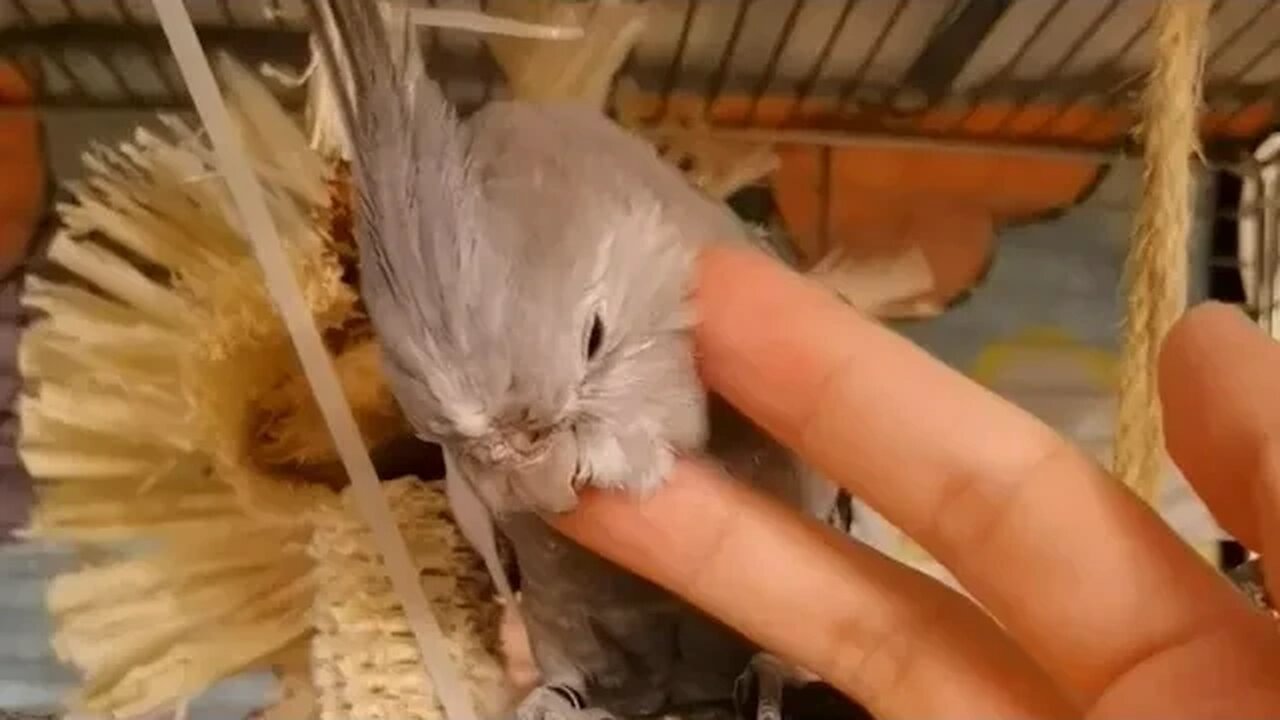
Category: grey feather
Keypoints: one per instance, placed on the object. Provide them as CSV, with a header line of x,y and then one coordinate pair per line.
x,y
528,273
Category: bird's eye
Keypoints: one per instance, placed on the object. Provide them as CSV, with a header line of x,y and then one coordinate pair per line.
x,y
595,336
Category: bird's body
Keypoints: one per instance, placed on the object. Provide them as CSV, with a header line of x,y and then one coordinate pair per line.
x,y
528,272
635,647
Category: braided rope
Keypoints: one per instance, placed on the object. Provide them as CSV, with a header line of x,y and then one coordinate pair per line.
x,y
1156,267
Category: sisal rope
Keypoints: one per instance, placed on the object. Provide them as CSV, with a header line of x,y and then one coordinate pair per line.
x,y
1156,267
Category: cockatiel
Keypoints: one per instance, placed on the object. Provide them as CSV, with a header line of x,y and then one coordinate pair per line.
x,y
527,272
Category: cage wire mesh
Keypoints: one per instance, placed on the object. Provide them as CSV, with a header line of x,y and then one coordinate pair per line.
x,y
1026,76
1035,73
1258,253
1022,76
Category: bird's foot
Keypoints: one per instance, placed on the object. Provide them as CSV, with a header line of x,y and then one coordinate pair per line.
x,y
558,702
758,691
772,690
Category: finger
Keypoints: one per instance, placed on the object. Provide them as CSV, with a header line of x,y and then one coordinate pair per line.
x,y
1023,519
1219,383
894,639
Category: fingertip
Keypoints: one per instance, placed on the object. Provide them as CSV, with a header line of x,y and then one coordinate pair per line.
x,y
662,535
1198,332
718,260
1217,377
1180,364
1215,358
731,277
766,337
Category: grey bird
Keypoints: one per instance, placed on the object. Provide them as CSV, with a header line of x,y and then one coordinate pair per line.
x,y
528,272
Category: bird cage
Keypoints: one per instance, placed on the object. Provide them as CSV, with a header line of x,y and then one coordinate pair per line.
x,y
811,118
833,83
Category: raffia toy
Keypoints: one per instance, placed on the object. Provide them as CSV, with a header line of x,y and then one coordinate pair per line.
x,y
170,431
364,661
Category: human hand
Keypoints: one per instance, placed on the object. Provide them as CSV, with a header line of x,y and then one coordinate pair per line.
x,y
1093,605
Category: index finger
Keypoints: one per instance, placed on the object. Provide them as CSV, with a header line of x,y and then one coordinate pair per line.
x,y
1023,519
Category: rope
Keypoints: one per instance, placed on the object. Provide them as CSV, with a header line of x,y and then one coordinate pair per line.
x,y
1156,267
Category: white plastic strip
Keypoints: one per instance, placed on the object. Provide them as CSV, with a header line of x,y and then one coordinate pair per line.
x,y
486,24
251,202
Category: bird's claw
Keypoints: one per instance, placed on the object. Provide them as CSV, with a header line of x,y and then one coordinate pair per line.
x,y
771,690
558,702
758,691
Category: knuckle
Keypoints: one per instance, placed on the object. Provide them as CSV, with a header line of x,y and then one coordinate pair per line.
x,y
829,401
879,665
972,511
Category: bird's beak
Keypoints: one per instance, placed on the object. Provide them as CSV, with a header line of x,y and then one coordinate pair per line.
x,y
547,485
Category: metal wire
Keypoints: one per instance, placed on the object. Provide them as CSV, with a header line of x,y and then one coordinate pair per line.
x,y
951,42
1112,65
1055,77
851,86
154,62
482,57
1261,91
1002,74
1266,218
1257,58
677,60
54,59
1266,263
805,89
105,59
1230,40
771,66
726,58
